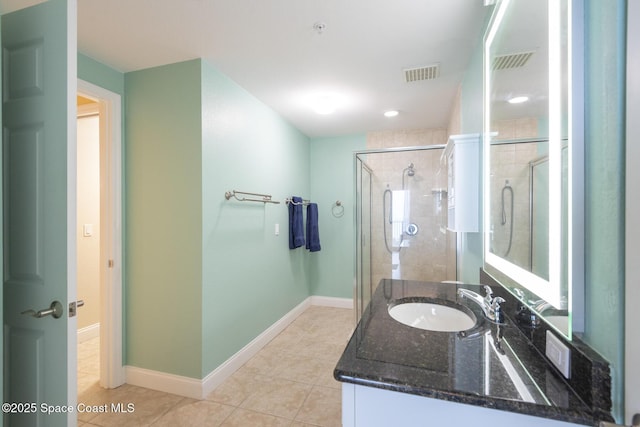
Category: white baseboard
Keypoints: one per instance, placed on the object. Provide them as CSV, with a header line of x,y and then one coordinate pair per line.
x,y
224,371
88,332
199,389
332,301
162,381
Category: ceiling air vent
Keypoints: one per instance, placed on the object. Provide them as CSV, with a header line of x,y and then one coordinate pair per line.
x,y
511,60
429,72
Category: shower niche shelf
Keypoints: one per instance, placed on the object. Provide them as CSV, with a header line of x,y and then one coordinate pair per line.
x,y
462,158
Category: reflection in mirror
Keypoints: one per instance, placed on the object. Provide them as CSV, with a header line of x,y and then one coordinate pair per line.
x,y
527,147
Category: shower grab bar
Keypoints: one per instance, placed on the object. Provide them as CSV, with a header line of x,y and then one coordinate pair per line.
x,y
265,198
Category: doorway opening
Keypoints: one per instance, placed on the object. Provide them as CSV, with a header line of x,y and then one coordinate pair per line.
x,y
88,242
99,238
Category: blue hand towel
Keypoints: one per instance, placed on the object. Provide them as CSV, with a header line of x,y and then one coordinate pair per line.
x,y
296,230
313,236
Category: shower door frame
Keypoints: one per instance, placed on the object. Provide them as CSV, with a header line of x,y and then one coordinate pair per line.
x,y
362,239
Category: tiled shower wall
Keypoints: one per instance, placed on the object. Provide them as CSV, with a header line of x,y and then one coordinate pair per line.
x,y
431,254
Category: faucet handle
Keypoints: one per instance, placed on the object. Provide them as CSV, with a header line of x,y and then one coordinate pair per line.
x,y
495,303
497,310
489,291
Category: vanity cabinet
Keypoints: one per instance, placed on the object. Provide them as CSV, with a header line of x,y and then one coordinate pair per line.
x,y
364,406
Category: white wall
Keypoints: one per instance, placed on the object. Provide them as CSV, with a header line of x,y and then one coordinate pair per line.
x,y
88,213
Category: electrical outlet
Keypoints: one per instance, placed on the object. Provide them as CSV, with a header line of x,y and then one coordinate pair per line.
x,y
559,354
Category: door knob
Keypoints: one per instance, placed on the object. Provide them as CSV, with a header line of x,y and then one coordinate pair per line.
x,y
55,310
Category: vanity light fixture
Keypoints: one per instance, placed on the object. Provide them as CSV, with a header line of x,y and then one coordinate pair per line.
x,y
518,99
391,113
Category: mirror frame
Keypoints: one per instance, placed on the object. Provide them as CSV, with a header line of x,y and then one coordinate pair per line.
x,y
549,290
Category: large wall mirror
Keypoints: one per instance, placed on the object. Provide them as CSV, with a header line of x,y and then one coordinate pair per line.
x,y
527,154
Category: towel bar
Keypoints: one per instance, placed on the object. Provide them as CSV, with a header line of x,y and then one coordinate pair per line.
x,y
291,202
265,198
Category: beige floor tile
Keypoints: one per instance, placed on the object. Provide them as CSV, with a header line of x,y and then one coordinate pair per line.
x,y
86,382
266,362
326,379
278,397
148,406
287,340
195,413
337,336
322,408
292,377
300,369
246,418
236,389
322,350
89,365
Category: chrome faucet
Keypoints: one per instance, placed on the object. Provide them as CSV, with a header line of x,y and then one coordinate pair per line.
x,y
490,305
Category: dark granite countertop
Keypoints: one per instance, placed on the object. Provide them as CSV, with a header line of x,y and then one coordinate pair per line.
x,y
492,366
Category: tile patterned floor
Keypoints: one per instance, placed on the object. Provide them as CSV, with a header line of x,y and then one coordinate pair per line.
x,y
288,383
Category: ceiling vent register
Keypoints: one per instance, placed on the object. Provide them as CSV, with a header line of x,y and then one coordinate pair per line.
x,y
429,72
511,60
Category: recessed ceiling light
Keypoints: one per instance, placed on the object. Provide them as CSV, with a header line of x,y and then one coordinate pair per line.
x,y
518,99
391,113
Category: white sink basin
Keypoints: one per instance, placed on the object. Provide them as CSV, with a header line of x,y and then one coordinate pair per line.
x,y
432,316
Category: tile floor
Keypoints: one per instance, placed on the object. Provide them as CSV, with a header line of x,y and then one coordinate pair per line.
x,y
288,383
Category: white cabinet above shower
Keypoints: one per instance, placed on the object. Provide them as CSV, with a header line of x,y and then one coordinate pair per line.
x,y
462,158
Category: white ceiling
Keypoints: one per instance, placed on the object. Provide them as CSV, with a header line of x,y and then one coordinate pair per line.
x,y
270,48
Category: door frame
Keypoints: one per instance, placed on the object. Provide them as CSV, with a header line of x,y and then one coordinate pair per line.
x,y
632,212
112,373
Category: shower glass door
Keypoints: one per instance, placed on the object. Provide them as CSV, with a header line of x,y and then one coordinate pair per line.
x,y
401,219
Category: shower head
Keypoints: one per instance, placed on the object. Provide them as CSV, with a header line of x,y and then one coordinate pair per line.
x,y
410,170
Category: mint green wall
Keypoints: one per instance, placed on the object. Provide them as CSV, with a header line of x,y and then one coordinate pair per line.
x,y
605,52
250,278
469,256
100,75
192,134
164,216
332,178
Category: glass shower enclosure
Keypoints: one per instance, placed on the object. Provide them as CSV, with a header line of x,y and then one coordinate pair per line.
x,y
401,218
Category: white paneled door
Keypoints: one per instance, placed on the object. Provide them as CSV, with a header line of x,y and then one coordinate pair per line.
x,y
39,138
